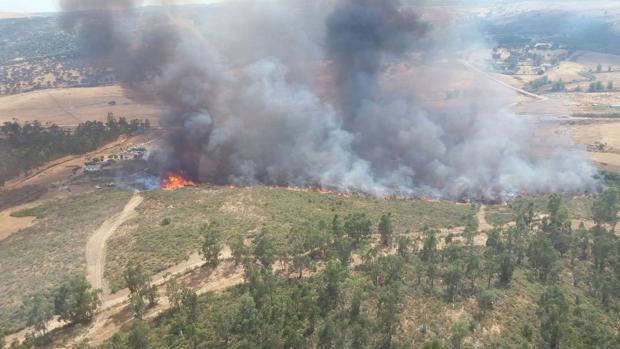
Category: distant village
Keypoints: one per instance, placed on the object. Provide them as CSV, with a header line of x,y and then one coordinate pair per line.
x,y
534,59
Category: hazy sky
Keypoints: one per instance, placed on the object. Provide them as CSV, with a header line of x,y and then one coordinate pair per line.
x,y
52,5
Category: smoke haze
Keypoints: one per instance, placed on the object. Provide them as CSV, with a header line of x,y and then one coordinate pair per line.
x,y
315,94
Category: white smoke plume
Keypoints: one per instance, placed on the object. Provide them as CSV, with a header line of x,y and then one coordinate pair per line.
x,y
298,93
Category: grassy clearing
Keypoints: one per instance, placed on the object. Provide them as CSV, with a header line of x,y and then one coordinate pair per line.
x,y
499,215
38,257
240,210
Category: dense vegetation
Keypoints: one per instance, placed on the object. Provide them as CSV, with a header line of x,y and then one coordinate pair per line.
x,y
354,282
345,287
25,147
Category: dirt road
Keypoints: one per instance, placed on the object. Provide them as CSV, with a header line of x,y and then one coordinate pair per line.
x,y
114,312
483,224
521,91
96,245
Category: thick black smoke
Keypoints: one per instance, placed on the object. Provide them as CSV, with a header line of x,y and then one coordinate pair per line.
x,y
237,115
359,35
165,61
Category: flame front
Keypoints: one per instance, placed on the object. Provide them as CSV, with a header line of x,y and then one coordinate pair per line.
x,y
172,181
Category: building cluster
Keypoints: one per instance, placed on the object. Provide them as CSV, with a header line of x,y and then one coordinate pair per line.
x,y
136,152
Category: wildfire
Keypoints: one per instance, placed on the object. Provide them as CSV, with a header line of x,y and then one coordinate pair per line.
x,y
316,189
173,181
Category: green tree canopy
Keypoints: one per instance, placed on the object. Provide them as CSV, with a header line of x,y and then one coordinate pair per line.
x,y
76,301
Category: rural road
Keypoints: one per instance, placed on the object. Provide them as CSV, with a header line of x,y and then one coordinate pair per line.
x,y
96,245
491,77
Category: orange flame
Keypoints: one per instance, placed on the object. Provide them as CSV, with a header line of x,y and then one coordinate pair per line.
x,y
173,181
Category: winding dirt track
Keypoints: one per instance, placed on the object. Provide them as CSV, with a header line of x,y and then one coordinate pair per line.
x,y
96,245
107,320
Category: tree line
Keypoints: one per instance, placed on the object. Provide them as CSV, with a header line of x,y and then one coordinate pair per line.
x,y
24,147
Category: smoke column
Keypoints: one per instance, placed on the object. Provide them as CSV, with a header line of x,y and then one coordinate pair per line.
x,y
359,33
256,122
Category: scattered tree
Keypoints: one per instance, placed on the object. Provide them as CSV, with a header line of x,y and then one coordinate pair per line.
x,y
385,229
552,312
238,249
264,250
139,337
452,279
389,310
211,246
358,227
139,283
136,278
460,330
76,301
606,206
41,311
541,256
404,247
337,227
486,299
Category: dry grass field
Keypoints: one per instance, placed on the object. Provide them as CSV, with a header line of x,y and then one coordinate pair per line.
x,y
68,107
602,139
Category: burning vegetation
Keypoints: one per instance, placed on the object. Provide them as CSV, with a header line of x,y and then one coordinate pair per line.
x,y
173,181
243,116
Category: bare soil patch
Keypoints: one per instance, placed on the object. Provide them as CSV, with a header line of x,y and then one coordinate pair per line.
x,y
10,225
